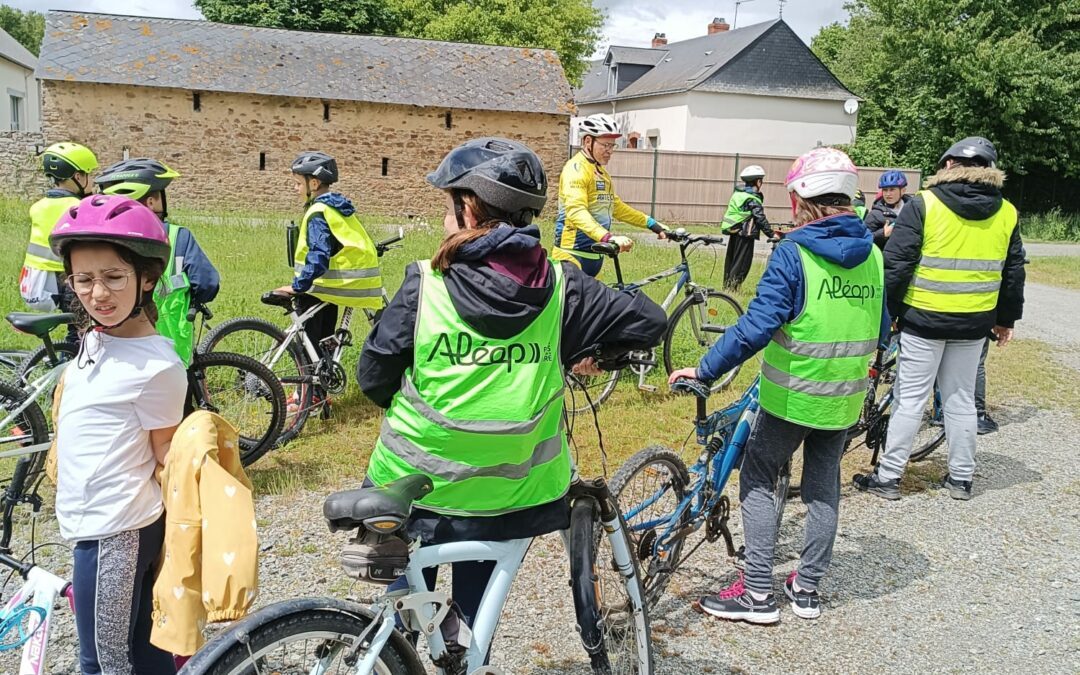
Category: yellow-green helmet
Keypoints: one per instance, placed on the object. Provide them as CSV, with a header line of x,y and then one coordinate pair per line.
x,y
135,178
63,160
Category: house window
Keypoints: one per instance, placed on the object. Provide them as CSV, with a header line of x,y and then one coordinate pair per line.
x,y
16,112
613,79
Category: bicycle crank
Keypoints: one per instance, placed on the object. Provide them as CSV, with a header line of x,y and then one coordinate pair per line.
x,y
332,377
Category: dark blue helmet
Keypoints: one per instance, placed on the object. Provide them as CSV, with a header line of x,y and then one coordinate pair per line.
x,y
892,179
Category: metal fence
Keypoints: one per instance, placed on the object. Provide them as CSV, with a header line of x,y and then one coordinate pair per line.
x,y
694,187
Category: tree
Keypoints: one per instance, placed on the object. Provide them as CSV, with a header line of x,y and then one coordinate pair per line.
x,y
933,71
26,27
569,27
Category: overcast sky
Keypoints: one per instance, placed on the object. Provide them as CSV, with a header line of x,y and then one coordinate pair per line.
x,y
630,22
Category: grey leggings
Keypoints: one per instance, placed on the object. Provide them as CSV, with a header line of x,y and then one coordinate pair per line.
x,y
772,442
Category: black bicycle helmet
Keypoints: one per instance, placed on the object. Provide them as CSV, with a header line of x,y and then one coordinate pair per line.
x,y
972,148
502,173
135,178
317,165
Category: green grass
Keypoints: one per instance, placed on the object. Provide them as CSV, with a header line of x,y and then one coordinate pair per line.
x,y
1051,226
249,251
1060,271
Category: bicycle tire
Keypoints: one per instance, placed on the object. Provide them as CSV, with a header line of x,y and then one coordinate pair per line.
x,y
667,464
599,389
252,382
293,370
65,351
28,428
694,341
929,436
624,643
245,648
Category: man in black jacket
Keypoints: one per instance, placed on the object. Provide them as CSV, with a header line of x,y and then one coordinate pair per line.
x,y
954,272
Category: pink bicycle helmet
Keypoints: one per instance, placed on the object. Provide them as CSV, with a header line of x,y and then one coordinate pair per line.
x,y
114,219
823,171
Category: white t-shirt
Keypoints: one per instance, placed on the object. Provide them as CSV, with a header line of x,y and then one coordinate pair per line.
x,y
105,463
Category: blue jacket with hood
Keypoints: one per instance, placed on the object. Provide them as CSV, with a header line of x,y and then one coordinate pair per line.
x,y
781,294
322,245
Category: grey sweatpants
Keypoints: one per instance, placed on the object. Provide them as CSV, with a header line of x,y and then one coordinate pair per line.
x,y
772,442
953,363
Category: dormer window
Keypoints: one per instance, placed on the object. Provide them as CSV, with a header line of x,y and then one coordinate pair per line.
x,y
613,80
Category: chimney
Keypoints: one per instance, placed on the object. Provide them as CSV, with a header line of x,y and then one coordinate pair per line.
x,y
718,25
659,40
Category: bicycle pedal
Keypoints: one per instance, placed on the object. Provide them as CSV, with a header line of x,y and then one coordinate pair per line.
x,y
651,388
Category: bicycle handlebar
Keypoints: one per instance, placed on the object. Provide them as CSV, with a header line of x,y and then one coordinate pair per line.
x,y
387,244
199,308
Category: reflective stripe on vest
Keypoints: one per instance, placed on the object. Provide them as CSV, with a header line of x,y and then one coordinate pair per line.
x,y
172,297
483,417
44,215
962,260
814,371
353,278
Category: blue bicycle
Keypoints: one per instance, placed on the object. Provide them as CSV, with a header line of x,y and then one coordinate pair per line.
x,y
664,502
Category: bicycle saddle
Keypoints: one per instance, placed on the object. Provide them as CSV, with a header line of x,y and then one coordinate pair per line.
x,y
277,299
382,508
605,248
688,385
38,325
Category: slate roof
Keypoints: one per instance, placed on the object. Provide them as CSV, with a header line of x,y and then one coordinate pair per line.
x,y
765,58
13,51
205,56
639,56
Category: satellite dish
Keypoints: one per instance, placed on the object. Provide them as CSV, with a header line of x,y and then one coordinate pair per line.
x,y
851,106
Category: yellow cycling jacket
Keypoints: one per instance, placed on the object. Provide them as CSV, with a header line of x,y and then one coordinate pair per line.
x,y
588,206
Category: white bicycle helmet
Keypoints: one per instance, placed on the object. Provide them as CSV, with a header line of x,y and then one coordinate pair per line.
x,y
823,171
599,125
752,173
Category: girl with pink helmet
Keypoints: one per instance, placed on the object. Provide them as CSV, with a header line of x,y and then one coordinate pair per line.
x,y
819,315
122,399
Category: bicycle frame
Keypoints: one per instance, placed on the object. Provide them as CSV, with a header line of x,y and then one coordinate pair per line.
x,y
730,427
33,390
41,589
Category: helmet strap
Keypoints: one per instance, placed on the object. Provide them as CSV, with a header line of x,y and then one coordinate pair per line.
x,y
82,187
164,207
459,208
588,151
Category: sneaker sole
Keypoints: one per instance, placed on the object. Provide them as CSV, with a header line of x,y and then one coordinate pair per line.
x,y
759,618
801,612
891,496
960,496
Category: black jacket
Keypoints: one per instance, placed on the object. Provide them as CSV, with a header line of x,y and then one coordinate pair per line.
x,y
881,214
500,306
973,193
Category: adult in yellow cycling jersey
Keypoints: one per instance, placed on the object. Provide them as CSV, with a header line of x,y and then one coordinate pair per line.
x,y
588,204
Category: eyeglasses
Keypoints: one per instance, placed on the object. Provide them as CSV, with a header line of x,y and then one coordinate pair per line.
x,y
606,146
113,280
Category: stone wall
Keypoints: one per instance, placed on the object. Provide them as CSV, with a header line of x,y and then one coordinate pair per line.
x,y
20,168
234,150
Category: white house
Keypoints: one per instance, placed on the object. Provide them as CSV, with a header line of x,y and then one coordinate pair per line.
x,y
21,101
756,90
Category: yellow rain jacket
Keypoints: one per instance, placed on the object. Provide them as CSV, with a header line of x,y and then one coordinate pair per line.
x,y
209,570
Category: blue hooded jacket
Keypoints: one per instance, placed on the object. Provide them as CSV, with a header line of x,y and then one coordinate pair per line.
x,y
321,242
781,294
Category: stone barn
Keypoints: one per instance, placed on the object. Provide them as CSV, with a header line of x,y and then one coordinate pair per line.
x,y
229,107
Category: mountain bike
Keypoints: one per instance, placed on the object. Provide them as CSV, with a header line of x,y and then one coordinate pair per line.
x,y
27,615
323,635
307,374
238,388
694,324
664,501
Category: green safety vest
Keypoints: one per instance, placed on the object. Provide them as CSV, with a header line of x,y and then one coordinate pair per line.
x,y
353,278
738,212
859,205
481,416
961,263
173,300
814,370
44,215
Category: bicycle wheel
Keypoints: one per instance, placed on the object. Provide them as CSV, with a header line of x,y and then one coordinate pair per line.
x,y
37,364
931,431
27,428
649,488
244,392
695,325
614,628
308,639
586,392
260,339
